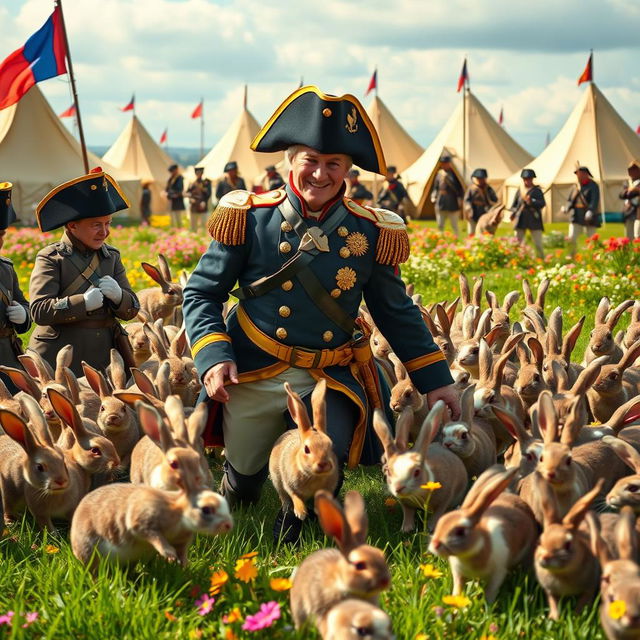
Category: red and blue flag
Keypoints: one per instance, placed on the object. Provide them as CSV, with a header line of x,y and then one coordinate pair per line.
x,y
43,56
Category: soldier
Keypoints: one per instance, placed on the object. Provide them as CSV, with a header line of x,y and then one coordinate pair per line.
x,y
231,180
14,309
584,207
175,195
478,199
357,191
526,211
631,195
304,256
79,286
392,195
145,203
274,179
447,195
199,193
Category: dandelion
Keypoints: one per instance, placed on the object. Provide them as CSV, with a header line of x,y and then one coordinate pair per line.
x,y
51,549
429,571
268,613
487,637
233,616
431,486
617,609
458,602
218,580
280,584
246,569
205,604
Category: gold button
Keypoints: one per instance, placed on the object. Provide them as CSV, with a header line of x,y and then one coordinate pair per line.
x,y
281,333
326,112
343,232
93,187
327,336
284,311
286,227
344,252
287,285
285,247
335,293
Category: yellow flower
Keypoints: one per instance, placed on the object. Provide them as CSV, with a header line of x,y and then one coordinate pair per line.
x,y
431,486
458,602
229,635
429,571
280,584
422,636
248,556
218,580
617,609
51,549
246,570
485,637
233,616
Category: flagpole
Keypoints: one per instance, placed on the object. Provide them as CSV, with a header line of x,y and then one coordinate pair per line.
x,y
202,128
464,130
376,72
85,158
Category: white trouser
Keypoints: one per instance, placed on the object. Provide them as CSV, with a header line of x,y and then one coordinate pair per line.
x,y
176,218
576,230
451,216
536,236
471,227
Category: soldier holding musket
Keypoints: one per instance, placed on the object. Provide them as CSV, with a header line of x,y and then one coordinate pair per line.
x,y
631,195
447,195
584,207
478,199
526,211
199,193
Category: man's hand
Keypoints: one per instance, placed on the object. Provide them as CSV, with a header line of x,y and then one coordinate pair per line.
x,y
450,396
110,289
215,378
16,313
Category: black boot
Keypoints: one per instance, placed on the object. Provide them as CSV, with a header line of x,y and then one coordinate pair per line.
x,y
286,528
241,490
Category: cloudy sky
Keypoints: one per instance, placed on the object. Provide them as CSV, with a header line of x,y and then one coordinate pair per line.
x,y
525,56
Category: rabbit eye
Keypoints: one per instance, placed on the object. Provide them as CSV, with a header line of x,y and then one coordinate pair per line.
x,y
545,367
613,375
102,408
541,458
40,467
591,334
307,450
568,462
361,565
96,451
567,546
407,393
460,531
207,511
474,351
632,488
464,435
609,336
375,342
363,631
536,377
530,457
416,473
173,464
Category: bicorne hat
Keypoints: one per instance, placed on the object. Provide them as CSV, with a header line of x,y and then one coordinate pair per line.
x,y
7,212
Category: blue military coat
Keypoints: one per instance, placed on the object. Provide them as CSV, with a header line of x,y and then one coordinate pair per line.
x,y
585,197
251,240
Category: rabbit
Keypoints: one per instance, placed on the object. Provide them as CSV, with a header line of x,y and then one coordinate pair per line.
x,y
490,221
468,298
160,302
146,390
407,471
500,321
537,305
33,470
7,401
405,395
471,438
564,562
138,339
626,491
441,331
601,342
379,344
329,576
354,619
474,327
615,384
302,460
126,523
530,381
490,534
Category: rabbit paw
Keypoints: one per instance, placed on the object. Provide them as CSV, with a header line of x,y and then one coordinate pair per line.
x,y
299,508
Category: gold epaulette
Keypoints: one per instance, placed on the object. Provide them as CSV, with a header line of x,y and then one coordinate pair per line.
x,y
392,247
228,222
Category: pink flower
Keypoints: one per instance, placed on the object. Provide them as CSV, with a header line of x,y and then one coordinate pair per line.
x,y
269,612
31,618
205,604
6,618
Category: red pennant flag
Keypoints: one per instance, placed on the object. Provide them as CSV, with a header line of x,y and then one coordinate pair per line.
x,y
163,137
464,76
638,130
373,83
43,56
501,117
587,74
131,105
197,112
68,113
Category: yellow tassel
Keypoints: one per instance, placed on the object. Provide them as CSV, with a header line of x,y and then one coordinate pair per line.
x,y
392,247
228,225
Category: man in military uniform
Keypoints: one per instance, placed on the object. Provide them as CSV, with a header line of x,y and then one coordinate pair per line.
x,y
584,207
631,195
14,309
230,182
447,195
79,286
392,195
274,179
304,258
478,199
526,211
199,192
175,195
356,190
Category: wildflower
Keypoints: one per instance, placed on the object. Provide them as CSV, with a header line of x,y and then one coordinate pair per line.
x,y
458,602
617,609
429,571
280,584
268,613
205,604
30,618
249,556
169,616
246,569
431,486
218,580
438,611
233,616
6,618
230,635
51,549
493,628
487,637
422,636
390,503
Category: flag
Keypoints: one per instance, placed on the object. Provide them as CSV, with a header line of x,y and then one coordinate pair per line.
x,y
373,83
638,130
501,117
132,104
43,56
68,113
163,137
464,76
197,112
587,74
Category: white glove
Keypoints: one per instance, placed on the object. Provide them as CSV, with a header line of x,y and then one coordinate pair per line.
x,y
563,209
111,289
93,299
16,313
588,216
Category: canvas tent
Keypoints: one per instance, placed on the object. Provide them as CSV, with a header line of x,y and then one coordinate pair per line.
x,y
594,135
137,153
37,153
488,145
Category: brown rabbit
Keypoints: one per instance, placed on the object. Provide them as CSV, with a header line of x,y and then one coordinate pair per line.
x,y
302,460
500,321
125,523
468,298
7,401
564,562
404,395
379,344
441,331
474,328
490,534
355,620
537,305
160,302
601,342
626,491
530,381
408,470
138,339
329,576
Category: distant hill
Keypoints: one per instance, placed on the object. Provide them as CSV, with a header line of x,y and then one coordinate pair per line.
x,y
184,156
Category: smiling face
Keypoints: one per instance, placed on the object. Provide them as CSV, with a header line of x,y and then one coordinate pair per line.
x,y
92,232
318,177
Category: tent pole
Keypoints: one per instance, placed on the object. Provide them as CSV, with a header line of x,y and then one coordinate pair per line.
x,y
464,133
85,158
600,167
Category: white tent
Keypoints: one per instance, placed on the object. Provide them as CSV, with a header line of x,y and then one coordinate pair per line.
x,y
37,153
594,135
488,146
137,153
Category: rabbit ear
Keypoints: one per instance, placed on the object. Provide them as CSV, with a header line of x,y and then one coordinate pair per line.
x,y
534,318
430,427
451,309
356,515
626,536
403,428
559,377
154,426
547,417
63,359
71,382
570,340
627,414
29,365
543,287
141,380
492,300
548,500
179,343
398,367
196,424
513,425
443,319
64,408
333,521
588,376
477,291
630,356
174,409
163,385
431,325
465,291
509,300
615,315
492,335
381,427
153,273
319,406
484,322
578,511
22,380
466,404
157,345
624,451
117,371
485,362
602,310
142,316
44,371
598,546
468,321
297,409
164,267
573,422
555,322
536,350
96,380
523,355
130,398
528,295
16,428
489,492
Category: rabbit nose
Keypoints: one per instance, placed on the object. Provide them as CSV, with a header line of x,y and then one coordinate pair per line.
x,y
60,482
448,445
323,466
384,582
550,475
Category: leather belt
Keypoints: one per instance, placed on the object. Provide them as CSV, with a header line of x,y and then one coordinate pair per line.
x,y
300,357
